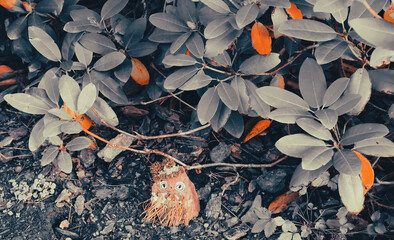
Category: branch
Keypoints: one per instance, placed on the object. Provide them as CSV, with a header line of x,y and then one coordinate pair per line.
x,y
370,9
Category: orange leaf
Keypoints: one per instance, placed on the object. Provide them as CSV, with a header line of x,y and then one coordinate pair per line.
x,y
93,145
5,68
257,129
27,6
8,82
278,82
139,72
367,174
281,203
9,4
84,120
294,12
261,39
386,15
188,52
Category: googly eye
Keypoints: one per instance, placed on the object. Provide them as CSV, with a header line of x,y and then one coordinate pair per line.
x,y
180,186
163,185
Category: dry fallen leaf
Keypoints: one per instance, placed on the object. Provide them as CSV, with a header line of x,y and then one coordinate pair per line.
x,y
387,14
367,174
139,73
257,129
9,4
281,203
261,39
294,12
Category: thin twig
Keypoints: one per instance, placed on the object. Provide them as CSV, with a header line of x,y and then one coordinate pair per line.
x,y
179,99
174,134
161,98
235,165
370,9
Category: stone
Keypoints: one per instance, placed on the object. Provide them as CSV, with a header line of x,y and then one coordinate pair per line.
x,y
272,181
214,206
220,152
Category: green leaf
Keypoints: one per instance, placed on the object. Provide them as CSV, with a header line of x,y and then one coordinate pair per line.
x,y
310,30
217,5
81,25
53,128
78,143
345,103
256,103
351,191
208,105
334,91
27,103
312,86
168,22
64,162
316,157
123,71
109,61
314,128
329,51
391,111
259,64
15,29
364,131
86,98
303,177
281,98
134,32
246,15
71,128
359,84
327,117
187,10
296,144
235,125
44,44
288,115
329,6
49,155
179,77
379,56
358,9
278,17
347,162
37,138
198,81
162,36
69,91
195,44
216,28
50,6
226,93
277,3
50,82
179,60
218,45
142,49
112,7
97,43
341,14
380,147
84,56
376,31
382,80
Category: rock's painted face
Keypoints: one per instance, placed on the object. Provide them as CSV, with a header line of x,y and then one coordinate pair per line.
x,y
174,198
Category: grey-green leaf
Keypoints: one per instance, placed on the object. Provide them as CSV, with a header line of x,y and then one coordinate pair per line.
x,y
281,98
112,90
69,91
217,5
334,91
78,143
359,84
104,111
374,30
296,144
246,15
64,162
312,83
27,103
60,114
179,77
112,7
259,64
227,95
84,56
198,81
179,60
380,147
208,105
49,155
37,138
109,61
50,82
382,80
44,44
168,22
364,131
329,51
310,30
195,44
97,43
235,125
216,28
314,128
327,117
345,103
71,127
347,162
316,157
86,98
221,116
288,115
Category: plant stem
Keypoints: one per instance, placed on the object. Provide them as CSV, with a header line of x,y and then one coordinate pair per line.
x,y
370,9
